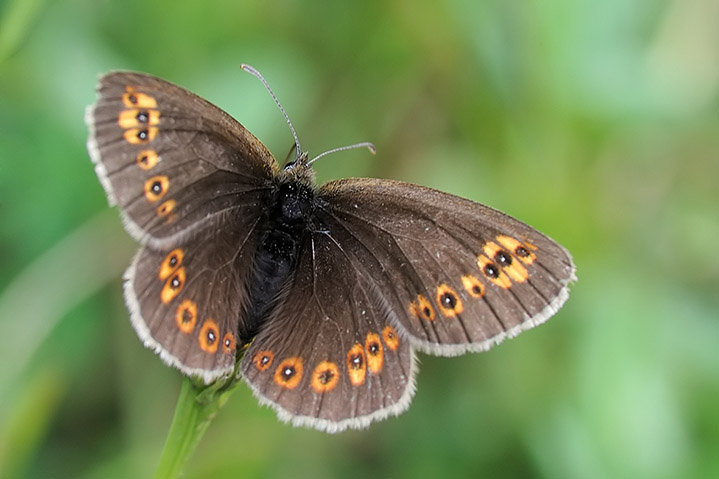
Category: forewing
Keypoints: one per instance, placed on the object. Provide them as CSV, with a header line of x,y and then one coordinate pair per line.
x,y
171,160
456,275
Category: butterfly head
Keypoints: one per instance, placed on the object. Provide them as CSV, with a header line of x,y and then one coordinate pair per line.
x,y
298,171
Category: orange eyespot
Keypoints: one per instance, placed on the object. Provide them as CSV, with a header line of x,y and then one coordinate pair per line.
x,y
473,286
166,208
493,272
134,99
263,359
136,118
186,316
449,302
229,343
421,308
390,338
374,353
139,136
289,373
209,336
172,261
147,159
325,377
156,187
525,252
356,367
173,286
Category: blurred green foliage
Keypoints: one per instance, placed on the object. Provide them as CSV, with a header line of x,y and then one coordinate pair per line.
x,y
596,122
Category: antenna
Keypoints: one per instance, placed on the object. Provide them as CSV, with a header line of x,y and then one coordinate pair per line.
x,y
299,155
364,144
253,71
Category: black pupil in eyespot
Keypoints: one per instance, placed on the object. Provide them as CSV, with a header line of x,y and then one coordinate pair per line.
x,y
449,300
142,117
173,261
503,258
521,251
326,376
265,360
288,372
142,134
491,271
373,348
156,187
211,337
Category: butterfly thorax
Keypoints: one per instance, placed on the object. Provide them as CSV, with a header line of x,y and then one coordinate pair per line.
x,y
283,231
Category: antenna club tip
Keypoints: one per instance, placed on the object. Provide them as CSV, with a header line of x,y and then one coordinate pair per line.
x,y
372,149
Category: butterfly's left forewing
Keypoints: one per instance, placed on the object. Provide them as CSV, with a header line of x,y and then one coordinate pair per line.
x,y
457,275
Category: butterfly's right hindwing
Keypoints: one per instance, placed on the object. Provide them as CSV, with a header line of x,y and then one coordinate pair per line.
x,y
171,160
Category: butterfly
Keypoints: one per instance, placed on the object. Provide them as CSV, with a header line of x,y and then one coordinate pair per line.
x,y
319,297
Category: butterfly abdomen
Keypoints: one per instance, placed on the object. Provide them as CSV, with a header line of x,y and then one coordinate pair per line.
x,y
284,230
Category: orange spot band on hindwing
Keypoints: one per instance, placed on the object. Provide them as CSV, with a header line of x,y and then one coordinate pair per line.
x,y
209,337
173,285
356,366
449,302
186,316
374,353
325,377
172,261
289,373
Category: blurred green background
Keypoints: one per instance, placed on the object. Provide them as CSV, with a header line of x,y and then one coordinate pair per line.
x,y
596,122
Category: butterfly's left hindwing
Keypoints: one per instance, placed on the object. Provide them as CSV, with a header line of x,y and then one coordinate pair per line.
x,y
328,356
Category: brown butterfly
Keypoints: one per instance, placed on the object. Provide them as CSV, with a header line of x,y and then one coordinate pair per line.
x,y
324,293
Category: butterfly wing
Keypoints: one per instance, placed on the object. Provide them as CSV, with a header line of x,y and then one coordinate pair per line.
x,y
180,170
389,267
186,303
458,276
328,356
172,161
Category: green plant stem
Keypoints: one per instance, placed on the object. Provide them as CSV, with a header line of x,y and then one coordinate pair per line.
x,y
196,406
